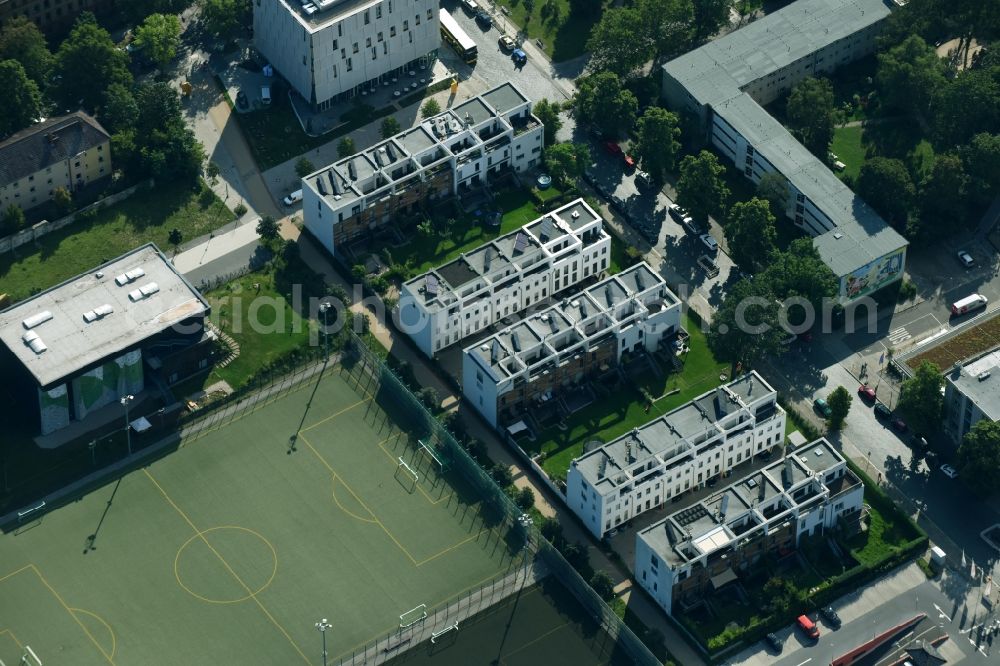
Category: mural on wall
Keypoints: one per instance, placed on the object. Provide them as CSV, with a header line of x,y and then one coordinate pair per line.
x,y
873,276
54,407
105,384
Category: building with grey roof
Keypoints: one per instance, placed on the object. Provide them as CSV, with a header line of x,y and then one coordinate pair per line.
x,y
86,342
331,50
726,82
694,551
559,348
503,277
70,151
657,462
357,197
971,394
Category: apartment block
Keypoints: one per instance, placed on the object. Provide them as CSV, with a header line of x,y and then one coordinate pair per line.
x,y
971,394
726,82
447,154
504,276
654,463
70,151
695,551
330,50
557,349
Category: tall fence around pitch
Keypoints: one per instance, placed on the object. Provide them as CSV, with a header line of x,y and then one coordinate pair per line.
x,y
374,376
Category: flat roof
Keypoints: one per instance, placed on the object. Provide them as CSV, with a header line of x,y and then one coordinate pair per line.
x,y
504,97
985,392
475,109
326,11
72,343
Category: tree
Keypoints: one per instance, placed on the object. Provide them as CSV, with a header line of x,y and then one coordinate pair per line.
x,y
909,75
163,145
701,188
619,42
885,183
136,10
943,199
773,187
160,36
839,403
21,40
240,210
63,200
745,328
87,63
669,25
12,220
346,147
212,171
657,143
267,228
810,113
979,457
303,167
390,127
965,106
430,108
221,17
781,595
602,101
799,272
525,498
501,473
21,101
751,234
548,113
119,110
982,165
920,399
567,161
577,556
176,237
602,583
710,16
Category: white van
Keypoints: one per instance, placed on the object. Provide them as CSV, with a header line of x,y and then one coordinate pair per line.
x,y
968,304
265,95
293,198
470,6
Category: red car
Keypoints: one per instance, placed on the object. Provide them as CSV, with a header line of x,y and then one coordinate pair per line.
x,y
629,162
612,148
899,424
866,392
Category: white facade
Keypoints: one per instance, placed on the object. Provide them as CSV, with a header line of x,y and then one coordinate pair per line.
x,y
338,47
971,394
658,461
702,547
447,154
503,277
557,347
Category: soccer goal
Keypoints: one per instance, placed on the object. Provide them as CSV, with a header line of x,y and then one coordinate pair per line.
x,y
438,634
29,658
412,616
405,466
430,452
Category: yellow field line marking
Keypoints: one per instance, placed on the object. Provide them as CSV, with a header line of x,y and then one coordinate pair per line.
x,y
225,564
533,641
14,573
360,501
20,645
71,613
451,548
114,639
419,487
336,500
334,415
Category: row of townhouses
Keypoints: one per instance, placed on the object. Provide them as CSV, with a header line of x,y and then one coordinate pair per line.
x,y
504,277
565,344
696,550
726,82
447,154
644,469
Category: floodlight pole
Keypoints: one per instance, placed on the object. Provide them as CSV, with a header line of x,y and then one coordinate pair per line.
x,y
323,625
126,399
324,308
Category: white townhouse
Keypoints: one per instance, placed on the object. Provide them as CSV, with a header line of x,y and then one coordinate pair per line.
x,y
504,276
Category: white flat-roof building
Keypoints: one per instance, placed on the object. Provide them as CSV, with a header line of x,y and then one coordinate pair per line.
x,y
559,347
504,276
694,551
971,394
681,450
450,153
81,344
331,49
726,81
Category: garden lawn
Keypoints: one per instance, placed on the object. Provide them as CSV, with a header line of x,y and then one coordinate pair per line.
x,y
623,410
147,216
564,34
848,148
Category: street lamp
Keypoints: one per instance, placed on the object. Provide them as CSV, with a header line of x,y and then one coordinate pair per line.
x,y
324,308
323,625
126,399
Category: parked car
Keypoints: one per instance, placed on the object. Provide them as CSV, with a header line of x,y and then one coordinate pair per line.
x,y
643,179
919,442
676,212
690,225
709,242
807,626
484,19
612,148
830,616
966,259
629,161
881,411
820,405
507,43
949,471
293,198
866,393
470,7
773,640
519,57
899,425
241,99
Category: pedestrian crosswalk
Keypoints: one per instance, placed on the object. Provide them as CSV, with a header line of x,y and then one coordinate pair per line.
x,y
898,335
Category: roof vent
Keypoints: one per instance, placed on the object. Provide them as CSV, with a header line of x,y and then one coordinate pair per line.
x,y
129,276
99,274
36,319
575,214
983,376
100,312
32,340
144,292
838,235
